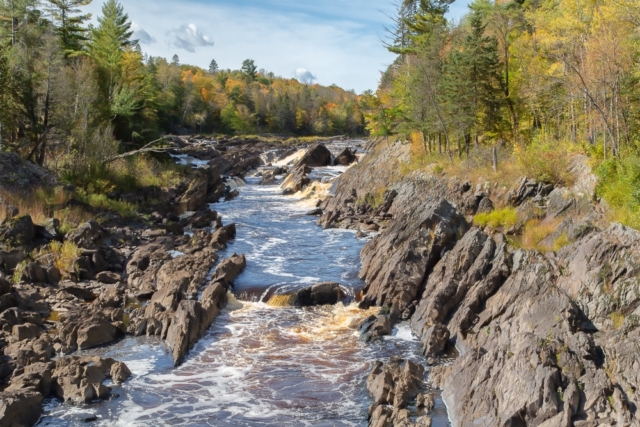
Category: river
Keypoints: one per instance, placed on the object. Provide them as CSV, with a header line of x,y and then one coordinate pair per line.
x,y
260,365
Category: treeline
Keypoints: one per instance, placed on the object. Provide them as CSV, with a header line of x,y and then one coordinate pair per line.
x,y
75,93
514,72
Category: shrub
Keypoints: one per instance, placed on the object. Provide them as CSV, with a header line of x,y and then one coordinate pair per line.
x,y
17,273
545,161
561,242
618,319
619,186
101,201
64,256
505,218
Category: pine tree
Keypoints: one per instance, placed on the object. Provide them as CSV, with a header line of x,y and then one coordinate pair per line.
x,y
249,69
473,81
69,25
175,60
108,42
111,36
13,15
213,67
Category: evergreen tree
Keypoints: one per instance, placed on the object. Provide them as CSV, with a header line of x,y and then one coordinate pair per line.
x,y
14,15
213,67
249,69
108,42
175,60
69,25
473,81
111,36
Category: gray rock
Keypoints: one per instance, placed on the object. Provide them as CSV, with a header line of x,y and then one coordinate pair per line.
x,y
327,293
25,332
20,409
87,236
18,231
395,262
435,340
346,157
109,277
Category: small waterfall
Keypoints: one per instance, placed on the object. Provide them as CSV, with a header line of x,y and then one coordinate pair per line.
x,y
280,300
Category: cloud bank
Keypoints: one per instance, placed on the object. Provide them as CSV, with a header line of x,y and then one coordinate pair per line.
x,y
141,34
304,76
188,37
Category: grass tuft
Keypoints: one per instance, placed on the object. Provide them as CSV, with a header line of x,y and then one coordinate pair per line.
x,y
499,218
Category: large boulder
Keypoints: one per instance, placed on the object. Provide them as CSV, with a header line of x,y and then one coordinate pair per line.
x,y
228,269
18,231
184,329
87,236
194,198
327,293
319,155
18,176
20,409
346,157
83,329
80,379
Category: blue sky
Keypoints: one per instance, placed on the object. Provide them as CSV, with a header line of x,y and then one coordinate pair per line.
x,y
335,41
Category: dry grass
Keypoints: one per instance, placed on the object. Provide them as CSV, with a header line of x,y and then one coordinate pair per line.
x,y
17,273
618,319
374,198
42,205
546,162
536,231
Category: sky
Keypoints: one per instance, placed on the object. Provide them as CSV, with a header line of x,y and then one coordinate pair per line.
x,y
322,41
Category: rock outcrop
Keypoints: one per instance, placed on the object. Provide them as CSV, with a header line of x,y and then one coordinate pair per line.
x,y
393,386
541,340
346,157
192,319
395,263
297,179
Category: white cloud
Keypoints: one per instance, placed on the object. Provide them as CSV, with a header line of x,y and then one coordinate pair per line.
x,y
304,76
188,37
141,35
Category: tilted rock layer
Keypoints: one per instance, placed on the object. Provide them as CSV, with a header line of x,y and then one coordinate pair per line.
x,y
542,339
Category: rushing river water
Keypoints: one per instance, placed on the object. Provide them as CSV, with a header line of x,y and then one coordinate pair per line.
x,y
260,365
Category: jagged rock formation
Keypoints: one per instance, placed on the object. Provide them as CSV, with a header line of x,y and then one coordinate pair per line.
x,y
297,179
543,340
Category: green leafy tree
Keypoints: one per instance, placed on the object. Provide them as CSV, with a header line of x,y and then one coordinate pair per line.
x,y
69,24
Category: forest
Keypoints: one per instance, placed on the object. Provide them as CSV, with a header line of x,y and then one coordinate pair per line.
x,y
75,93
535,79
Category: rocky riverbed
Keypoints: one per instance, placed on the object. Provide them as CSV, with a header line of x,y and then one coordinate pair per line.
x,y
231,307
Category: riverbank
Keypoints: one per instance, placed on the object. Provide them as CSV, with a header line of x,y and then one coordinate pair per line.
x,y
542,338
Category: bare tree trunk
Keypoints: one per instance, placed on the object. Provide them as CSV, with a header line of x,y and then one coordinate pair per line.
x,y
494,158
